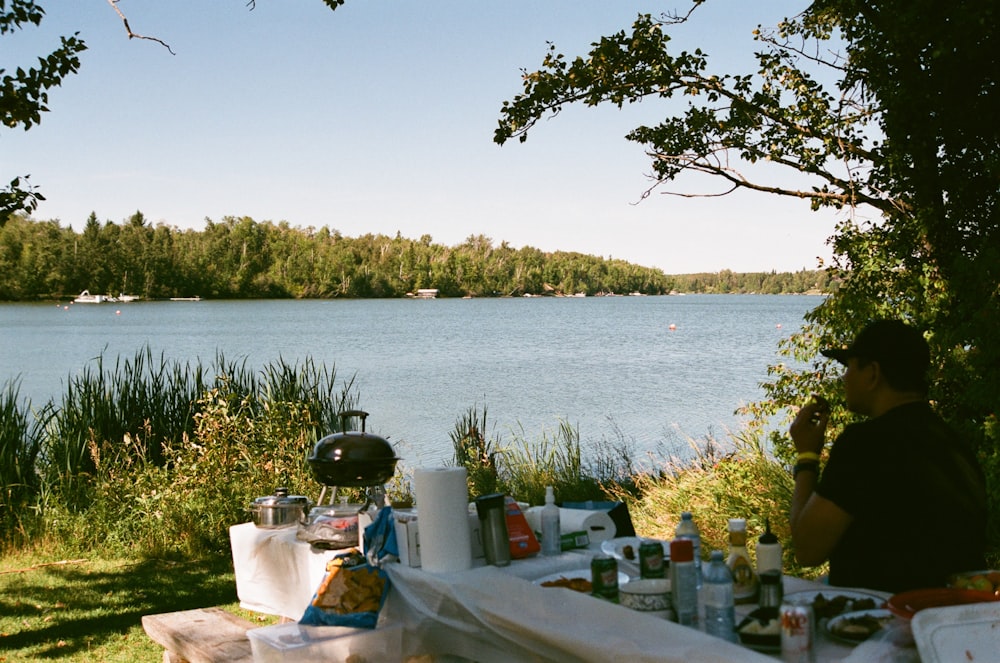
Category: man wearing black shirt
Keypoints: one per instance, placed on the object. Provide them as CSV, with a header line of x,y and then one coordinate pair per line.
x,y
901,502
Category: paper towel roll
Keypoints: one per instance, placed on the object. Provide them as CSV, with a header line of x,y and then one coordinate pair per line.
x,y
597,524
443,504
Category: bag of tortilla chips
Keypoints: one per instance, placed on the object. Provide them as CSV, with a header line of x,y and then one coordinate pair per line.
x,y
351,593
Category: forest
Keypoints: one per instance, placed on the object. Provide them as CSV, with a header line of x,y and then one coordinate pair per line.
x,y
240,258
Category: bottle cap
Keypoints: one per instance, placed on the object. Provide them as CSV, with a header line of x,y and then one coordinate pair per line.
x,y
716,556
686,515
681,550
550,496
737,525
767,537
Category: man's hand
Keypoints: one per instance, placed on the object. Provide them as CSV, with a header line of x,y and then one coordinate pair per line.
x,y
808,431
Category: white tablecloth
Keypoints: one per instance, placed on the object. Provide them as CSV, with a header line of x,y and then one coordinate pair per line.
x,y
276,574
496,614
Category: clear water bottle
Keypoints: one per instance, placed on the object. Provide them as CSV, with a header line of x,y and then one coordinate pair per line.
x,y
687,529
551,530
717,595
683,591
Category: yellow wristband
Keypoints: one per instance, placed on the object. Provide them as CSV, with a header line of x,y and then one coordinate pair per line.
x,y
806,456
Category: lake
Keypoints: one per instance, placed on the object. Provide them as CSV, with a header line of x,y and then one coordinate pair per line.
x,y
654,370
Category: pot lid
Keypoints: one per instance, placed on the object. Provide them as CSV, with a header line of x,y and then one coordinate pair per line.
x,y
282,498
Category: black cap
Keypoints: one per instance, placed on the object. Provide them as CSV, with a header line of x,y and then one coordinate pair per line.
x,y
900,350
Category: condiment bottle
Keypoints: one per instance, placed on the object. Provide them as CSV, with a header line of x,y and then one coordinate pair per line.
x,y
687,529
771,591
683,581
744,578
768,551
551,536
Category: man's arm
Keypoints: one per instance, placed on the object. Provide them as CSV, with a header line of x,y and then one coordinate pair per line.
x,y
816,522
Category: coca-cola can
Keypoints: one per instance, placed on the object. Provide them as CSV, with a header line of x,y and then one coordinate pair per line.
x,y
798,632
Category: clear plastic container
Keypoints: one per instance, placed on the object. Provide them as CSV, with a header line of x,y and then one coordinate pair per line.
x,y
295,643
331,526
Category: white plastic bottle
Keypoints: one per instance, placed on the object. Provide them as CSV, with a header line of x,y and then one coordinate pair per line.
x,y
687,529
551,535
717,596
768,551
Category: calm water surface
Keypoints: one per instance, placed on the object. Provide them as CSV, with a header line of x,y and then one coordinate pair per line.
x,y
607,365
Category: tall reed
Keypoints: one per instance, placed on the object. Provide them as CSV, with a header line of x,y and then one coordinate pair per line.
x,y
476,451
145,398
20,446
162,455
524,466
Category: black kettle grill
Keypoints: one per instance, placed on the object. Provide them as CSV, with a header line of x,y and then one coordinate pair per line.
x,y
352,459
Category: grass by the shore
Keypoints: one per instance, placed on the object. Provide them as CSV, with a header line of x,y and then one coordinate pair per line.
x,y
89,609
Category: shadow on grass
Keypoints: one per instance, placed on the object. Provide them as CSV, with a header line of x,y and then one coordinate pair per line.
x,y
62,611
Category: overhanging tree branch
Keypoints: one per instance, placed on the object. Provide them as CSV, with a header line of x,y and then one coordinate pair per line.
x,y
133,35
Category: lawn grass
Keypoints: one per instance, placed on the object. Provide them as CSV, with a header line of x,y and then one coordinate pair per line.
x,y
90,609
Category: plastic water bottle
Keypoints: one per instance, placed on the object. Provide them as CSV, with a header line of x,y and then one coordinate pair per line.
x,y
551,534
687,529
717,595
683,590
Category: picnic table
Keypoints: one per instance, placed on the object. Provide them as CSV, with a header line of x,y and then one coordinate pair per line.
x,y
498,614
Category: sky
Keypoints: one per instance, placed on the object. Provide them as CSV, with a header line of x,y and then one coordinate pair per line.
x,y
378,118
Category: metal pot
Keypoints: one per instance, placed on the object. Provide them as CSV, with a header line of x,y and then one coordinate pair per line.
x,y
353,458
279,510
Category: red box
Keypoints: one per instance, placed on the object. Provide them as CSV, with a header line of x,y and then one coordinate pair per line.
x,y
522,540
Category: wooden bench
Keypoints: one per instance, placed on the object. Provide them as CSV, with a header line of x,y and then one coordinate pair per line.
x,y
204,635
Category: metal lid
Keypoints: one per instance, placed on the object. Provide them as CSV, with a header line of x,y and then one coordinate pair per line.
x,y
282,498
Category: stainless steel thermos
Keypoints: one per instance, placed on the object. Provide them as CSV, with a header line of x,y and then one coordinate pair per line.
x,y
493,529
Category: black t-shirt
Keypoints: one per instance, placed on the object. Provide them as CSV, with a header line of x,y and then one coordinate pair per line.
x,y
917,496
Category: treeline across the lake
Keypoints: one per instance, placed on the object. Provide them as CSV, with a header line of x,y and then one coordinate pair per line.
x,y
239,258
812,282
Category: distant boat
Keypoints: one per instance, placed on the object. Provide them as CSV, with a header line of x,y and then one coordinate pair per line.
x,y
186,299
128,298
87,298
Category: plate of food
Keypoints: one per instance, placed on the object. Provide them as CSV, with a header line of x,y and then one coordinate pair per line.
x,y
828,603
858,626
578,580
627,548
761,630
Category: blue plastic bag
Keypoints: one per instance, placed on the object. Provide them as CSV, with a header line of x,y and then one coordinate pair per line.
x,y
380,540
